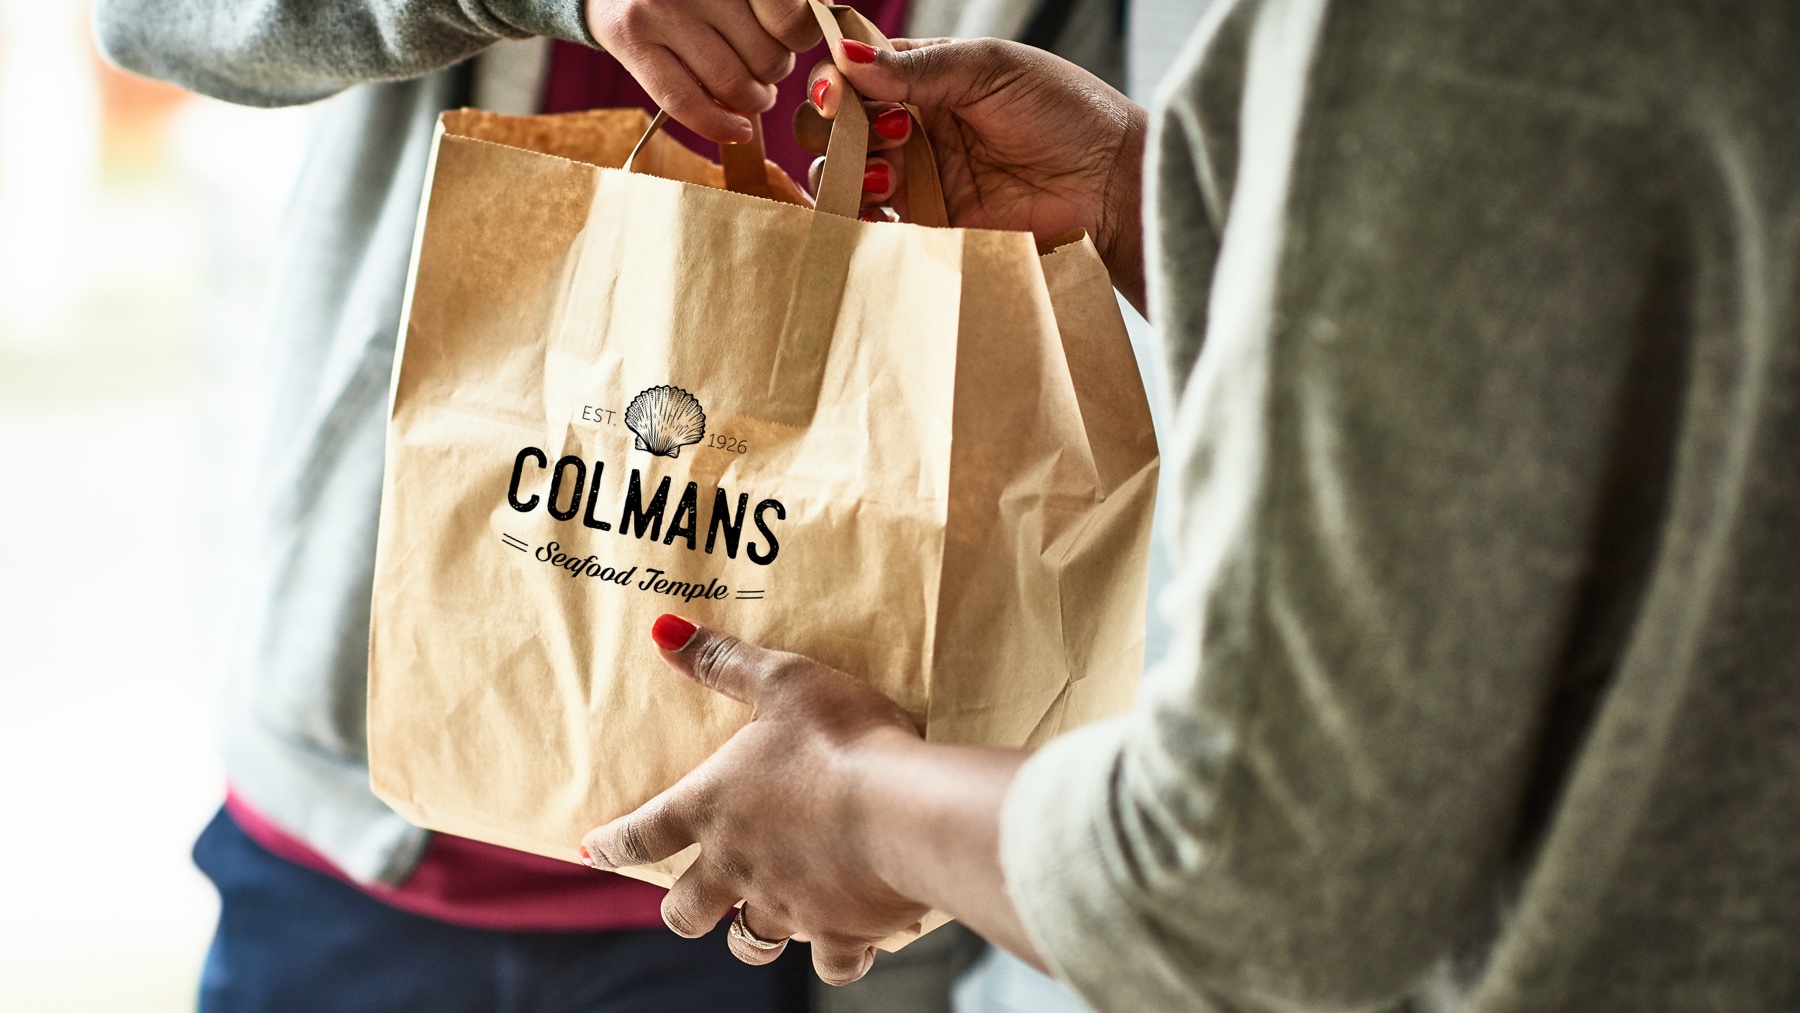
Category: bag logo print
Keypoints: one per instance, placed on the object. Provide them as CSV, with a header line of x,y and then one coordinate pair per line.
x,y
665,419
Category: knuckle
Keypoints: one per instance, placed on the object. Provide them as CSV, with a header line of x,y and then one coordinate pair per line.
x,y
793,24
633,18
691,107
966,69
986,58
838,973
800,32
936,61
842,960
988,51
632,844
786,669
732,869
776,911
720,652
678,919
701,810
681,98
736,81
614,850
774,67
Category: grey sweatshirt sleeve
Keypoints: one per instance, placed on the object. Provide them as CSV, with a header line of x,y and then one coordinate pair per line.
x,y
288,52
1389,457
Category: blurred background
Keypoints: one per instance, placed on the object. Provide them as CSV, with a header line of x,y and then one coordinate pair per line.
x,y
134,225
136,222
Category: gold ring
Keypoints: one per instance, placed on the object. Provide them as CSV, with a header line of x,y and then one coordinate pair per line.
x,y
742,933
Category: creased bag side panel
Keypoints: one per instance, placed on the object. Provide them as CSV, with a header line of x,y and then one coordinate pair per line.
x,y
1104,581
489,268
502,228
1115,410
1021,485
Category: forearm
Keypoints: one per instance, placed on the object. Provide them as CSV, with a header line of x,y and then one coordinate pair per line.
x,y
281,52
931,826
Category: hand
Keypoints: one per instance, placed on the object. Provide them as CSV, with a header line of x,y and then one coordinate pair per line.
x,y
780,811
708,62
1024,140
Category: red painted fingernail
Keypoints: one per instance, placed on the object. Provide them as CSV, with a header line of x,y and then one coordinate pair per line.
x,y
875,179
819,90
893,124
859,52
671,633
587,859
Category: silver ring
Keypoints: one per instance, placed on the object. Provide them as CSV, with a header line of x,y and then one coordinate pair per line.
x,y
741,932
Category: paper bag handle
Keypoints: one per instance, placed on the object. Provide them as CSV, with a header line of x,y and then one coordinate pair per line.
x,y
745,171
840,184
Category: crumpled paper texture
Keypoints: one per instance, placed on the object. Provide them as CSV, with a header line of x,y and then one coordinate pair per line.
x,y
953,425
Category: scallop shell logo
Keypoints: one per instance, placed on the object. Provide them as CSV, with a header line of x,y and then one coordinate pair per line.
x,y
665,419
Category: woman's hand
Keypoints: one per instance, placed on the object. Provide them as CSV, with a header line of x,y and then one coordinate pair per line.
x,y
707,62
826,815
1024,140
777,810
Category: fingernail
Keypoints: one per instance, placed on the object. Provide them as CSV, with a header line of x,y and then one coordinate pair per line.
x,y
587,859
672,633
875,180
893,124
858,52
819,90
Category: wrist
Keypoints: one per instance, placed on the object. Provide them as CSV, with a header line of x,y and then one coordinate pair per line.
x,y
880,809
1121,238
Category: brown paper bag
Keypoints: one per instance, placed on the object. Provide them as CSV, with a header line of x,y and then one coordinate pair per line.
x,y
921,455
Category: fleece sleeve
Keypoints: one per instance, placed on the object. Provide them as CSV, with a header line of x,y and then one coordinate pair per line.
x,y
288,52
1389,456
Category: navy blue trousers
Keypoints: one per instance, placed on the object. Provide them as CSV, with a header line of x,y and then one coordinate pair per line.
x,y
291,940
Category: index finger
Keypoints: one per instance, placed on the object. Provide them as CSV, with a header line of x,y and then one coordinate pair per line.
x,y
675,88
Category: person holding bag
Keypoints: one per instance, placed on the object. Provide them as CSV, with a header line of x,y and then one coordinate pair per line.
x,y
1487,689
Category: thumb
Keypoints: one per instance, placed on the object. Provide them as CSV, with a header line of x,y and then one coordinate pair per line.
x,y
936,73
718,661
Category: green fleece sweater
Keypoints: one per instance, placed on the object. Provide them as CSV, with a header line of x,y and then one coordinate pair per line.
x,y
1485,319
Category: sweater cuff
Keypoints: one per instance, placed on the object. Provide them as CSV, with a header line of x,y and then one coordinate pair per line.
x,y
556,19
1063,870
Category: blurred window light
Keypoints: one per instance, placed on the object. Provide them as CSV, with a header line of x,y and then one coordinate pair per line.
x,y
136,228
